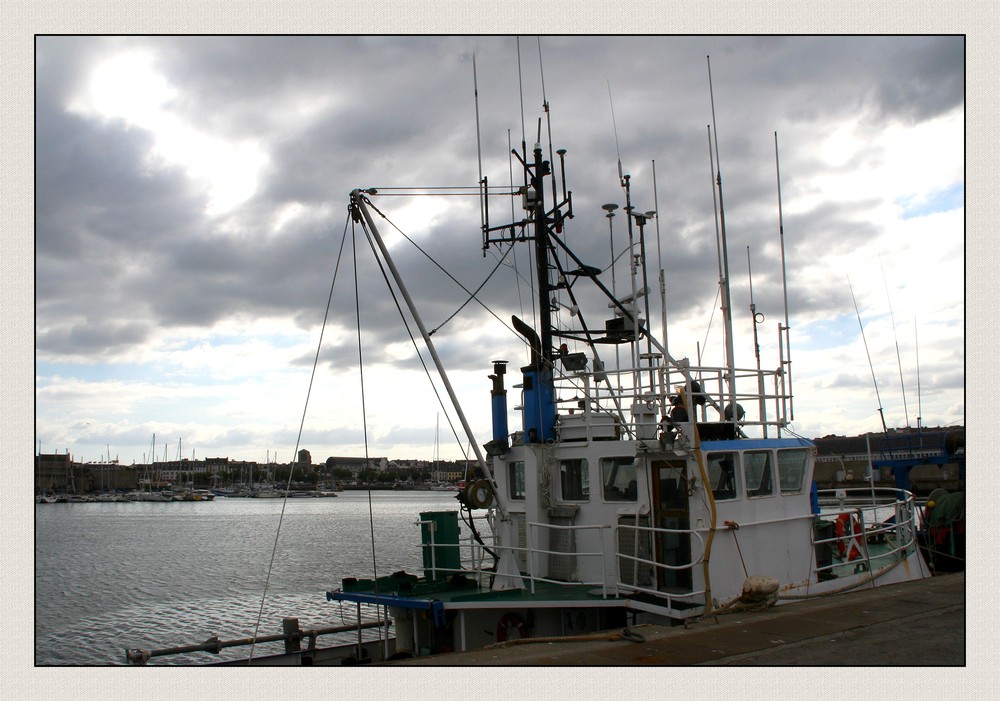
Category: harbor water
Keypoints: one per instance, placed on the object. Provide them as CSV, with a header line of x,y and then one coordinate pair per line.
x,y
111,576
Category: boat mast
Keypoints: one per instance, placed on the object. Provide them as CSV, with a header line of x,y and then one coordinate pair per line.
x,y
537,201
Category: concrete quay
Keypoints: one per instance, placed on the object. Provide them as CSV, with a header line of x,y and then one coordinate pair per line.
x,y
911,624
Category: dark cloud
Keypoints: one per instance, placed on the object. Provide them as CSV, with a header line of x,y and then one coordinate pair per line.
x,y
126,249
399,111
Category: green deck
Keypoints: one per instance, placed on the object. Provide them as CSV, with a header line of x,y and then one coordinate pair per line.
x,y
461,589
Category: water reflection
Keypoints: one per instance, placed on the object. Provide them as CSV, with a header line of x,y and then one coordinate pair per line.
x,y
150,575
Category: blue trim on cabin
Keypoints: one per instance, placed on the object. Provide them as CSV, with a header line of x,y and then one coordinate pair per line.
x,y
757,444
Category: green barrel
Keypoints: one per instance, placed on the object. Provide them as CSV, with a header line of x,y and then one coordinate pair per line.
x,y
440,528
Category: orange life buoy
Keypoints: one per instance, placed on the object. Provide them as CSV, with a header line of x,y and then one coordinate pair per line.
x,y
840,526
510,620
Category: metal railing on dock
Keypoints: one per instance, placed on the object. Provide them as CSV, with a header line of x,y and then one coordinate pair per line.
x,y
292,636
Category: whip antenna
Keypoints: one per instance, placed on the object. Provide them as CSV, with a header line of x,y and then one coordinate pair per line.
x,y
727,314
659,261
548,125
871,367
784,288
899,362
757,318
520,90
916,341
479,146
614,125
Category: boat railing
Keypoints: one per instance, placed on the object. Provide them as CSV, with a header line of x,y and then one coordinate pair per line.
x,y
760,406
533,532
640,397
292,636
473,555
862,518
635,562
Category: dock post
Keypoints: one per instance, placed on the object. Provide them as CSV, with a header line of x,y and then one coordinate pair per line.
x,y
293,637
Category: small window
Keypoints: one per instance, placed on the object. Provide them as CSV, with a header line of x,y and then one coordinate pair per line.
x,y
757,473
515,479
791,469
722,474
574,480
618,478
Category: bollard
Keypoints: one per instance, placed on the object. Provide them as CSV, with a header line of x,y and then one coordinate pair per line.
x,y
293,637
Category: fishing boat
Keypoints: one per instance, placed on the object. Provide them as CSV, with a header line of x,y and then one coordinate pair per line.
x,y
635,488
653,491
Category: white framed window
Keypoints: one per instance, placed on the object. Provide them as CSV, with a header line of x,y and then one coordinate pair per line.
x,y
515,479
618,479
757,473
792,469
723,475
574,480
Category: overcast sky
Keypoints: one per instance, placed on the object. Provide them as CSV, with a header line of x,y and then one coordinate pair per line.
x,y
191,202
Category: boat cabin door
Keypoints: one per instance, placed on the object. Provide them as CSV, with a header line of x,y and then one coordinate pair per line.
x,y
671,548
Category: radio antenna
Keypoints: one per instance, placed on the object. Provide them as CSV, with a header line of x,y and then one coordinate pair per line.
x,y
757,318
548,125
871,367
614,125
916,342
659,262
727,314
899,361
520,89
787,359
479,146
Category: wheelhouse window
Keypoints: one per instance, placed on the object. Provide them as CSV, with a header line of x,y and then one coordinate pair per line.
x,y
757,473
792,469
574,480
515,479
618,479
722,474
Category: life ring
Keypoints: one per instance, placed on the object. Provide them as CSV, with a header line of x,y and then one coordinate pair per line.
x,y
840,527
511,620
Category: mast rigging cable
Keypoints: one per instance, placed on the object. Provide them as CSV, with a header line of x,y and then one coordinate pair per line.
x,y
298,441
